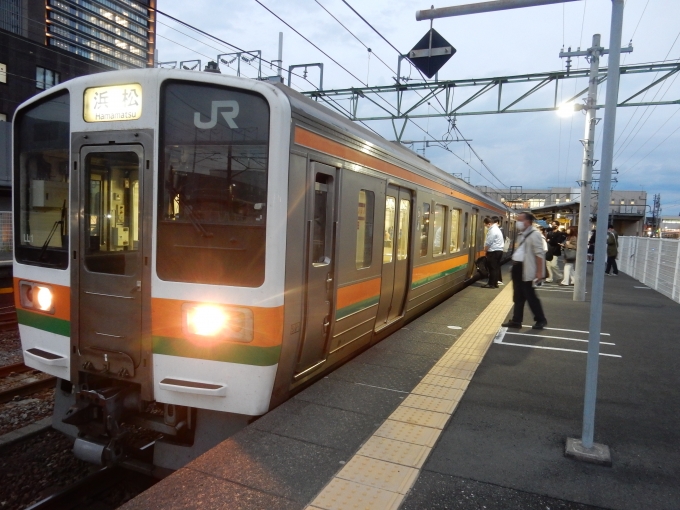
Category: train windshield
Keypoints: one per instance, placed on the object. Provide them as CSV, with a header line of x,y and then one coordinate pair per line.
x,y
212,185
41,177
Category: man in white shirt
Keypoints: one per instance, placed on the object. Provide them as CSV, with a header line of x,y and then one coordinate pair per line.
x,y
528,265
494,252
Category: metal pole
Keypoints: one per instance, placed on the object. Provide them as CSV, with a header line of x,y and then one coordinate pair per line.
x,y
602,218
280,54
498,5
587,172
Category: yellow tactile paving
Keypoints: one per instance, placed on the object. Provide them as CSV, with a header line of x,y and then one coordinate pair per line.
x,y
342,494
455,372
420,417
391,450
379,473
387,465
430,390
407,432
447,382
437,405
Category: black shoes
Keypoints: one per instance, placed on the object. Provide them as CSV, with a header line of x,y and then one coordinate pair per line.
x,y
512,324
487,286
539,325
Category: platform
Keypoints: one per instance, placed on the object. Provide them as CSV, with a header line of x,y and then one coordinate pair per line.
x,y
378,432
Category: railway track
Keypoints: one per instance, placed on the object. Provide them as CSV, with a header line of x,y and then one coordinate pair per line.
x,y
21,388
104,489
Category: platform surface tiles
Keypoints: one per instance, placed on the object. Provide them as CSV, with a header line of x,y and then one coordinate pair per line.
x,y
449,414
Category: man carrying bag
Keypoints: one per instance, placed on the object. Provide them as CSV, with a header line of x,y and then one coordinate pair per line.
x,y
528,263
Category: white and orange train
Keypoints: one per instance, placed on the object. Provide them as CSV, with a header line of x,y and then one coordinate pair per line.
x,y
212,244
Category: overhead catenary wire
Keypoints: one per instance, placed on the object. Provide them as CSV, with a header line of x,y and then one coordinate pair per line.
x,y
421,74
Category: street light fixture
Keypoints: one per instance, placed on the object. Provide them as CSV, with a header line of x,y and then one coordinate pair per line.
x,y
568,109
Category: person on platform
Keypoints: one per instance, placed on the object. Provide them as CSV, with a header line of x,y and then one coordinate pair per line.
x,y
569,250
528,264
612,252
555,239
591,245
494,251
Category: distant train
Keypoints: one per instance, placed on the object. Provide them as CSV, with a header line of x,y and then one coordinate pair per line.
x,y
212,244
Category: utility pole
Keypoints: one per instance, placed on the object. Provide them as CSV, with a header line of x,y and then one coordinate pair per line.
x,y
593,53
583,449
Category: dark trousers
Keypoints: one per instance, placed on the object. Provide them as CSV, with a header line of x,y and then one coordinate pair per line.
x,y
494,261
611,263
524,292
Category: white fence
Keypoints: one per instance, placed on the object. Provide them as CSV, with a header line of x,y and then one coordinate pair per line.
x,y
655,262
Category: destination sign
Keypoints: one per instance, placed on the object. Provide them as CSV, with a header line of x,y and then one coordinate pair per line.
x,y
113,103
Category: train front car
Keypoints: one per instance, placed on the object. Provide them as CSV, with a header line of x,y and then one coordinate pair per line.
x,y
150,220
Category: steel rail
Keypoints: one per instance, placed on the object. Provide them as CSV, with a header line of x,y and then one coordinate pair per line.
x,y
16,368
27,389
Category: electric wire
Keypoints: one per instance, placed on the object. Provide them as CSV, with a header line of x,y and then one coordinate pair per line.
x,y
643,97
421,74
353,35
659,145
636,27
310,42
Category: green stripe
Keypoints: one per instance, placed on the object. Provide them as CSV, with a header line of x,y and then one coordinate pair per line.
x,y
436,276
353,308
231,352
44,322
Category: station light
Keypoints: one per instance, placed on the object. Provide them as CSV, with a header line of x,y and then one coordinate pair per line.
x,y
207,321
567,109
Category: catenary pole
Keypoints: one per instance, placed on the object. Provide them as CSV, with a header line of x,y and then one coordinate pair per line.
x,y
597,290
497,5
587,172
585,448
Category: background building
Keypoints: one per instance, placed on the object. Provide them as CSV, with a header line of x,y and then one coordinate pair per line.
x,y
627,209
46,42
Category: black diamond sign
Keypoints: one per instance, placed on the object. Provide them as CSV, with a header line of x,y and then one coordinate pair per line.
x,y
430,59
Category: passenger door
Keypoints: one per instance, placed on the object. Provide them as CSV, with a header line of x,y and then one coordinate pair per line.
x,y
396,253
319,260
110,269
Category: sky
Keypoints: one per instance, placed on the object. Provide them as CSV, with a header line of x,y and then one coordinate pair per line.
x,y
533,150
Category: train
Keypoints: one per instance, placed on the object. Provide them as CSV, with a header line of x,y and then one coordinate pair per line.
x,y
192,249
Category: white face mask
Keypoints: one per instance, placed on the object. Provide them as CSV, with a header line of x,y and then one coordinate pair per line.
x,y
521,226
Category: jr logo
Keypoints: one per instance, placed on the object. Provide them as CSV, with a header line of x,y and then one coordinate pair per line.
x,y
228,116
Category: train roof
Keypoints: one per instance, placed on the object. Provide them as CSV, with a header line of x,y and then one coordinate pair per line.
x,y
328,116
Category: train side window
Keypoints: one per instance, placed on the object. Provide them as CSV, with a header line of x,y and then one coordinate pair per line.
x,y
365,229
439,229
455,230
390,212
424,229
473,231
465,230
320,209
403,233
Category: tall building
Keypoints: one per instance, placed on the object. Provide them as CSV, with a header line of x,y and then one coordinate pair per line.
x,y
46,42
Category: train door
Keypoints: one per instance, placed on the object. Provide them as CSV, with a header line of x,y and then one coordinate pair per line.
x,y
396,250
472,238
319,260
110,272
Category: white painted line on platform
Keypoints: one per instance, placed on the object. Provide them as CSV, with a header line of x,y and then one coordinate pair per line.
x,y
435,333
500,335
646,288
454,327
558,338
569,330
380,387
555,290
556,349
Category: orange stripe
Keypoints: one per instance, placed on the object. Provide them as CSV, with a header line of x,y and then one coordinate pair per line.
x,y
481,254
166,321
422,272
358,292
61,297
322,144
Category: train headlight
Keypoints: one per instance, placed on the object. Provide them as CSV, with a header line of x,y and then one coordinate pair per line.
x,y
43,298
217,322
36,296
